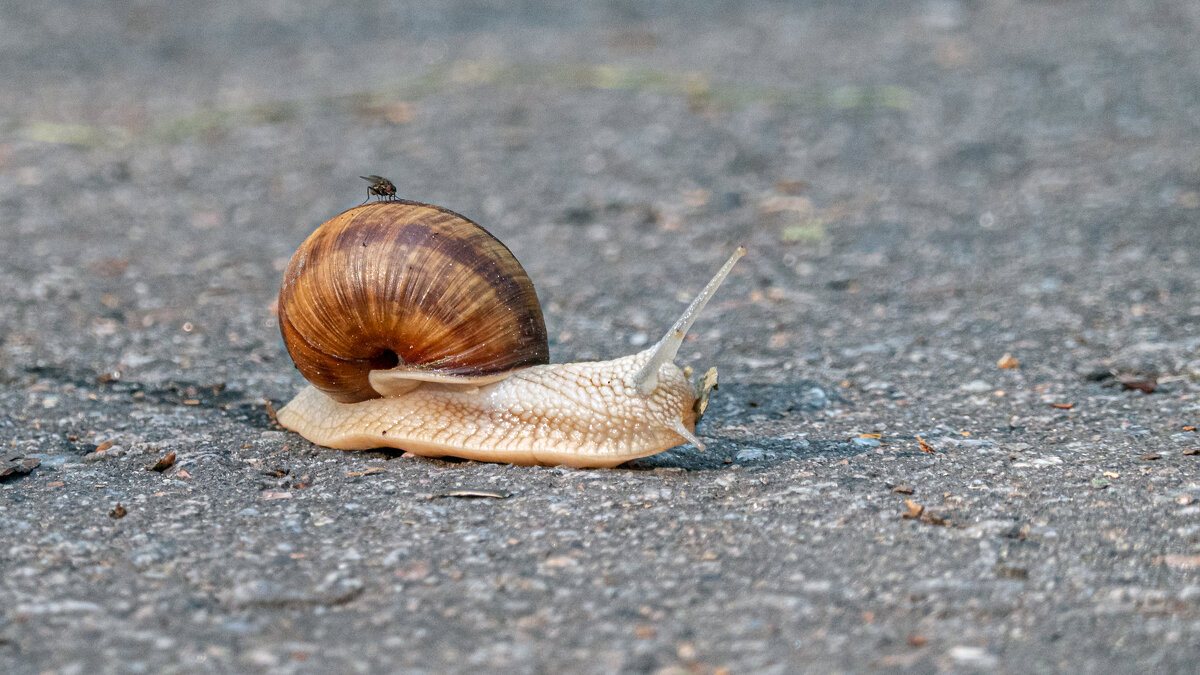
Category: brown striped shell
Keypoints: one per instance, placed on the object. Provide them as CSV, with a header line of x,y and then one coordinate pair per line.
x,y
400,283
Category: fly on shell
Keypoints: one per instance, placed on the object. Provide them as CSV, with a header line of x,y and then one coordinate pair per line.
x,y
379,187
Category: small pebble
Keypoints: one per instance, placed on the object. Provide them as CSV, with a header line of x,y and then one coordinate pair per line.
x,y
750,454
976,387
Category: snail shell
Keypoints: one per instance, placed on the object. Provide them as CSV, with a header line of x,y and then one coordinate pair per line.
x,y
409,286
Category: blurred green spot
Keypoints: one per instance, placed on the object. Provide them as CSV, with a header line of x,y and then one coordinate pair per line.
x,y
697,88
853,98
810,231
76,134
203,123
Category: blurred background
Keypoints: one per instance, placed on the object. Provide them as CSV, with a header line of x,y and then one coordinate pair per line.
x,y
160,161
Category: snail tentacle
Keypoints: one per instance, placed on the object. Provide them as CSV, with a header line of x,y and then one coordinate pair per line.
x,y
665,350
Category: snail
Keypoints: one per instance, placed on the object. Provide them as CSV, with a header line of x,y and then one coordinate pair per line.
x,y
417,329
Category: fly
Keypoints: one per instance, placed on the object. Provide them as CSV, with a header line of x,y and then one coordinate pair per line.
x,y
379,187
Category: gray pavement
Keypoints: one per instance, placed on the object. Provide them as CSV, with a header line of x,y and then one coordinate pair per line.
x,y
924,188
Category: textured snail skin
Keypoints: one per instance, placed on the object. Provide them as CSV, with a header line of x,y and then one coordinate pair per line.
x,y
575,414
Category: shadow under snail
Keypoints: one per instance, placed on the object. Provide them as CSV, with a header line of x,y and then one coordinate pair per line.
x,y
417,329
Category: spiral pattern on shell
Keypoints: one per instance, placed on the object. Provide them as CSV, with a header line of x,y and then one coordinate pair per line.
x,y
401,283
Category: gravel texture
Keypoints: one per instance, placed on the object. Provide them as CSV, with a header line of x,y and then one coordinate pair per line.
x,y
925,189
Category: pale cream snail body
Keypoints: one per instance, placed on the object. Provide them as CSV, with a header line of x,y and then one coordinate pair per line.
x,y
419,330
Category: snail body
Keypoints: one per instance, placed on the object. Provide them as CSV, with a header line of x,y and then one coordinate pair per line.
x,y
418,330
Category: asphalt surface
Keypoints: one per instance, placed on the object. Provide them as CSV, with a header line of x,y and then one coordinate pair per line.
x,y
923,187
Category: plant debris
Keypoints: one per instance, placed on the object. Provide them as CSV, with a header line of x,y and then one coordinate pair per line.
x,y
704,388
1012,572
118,512
925,446
13,465
163,464
366,472
1062,406
1192,451
1187,562
271,412
903,489
1146,384
914,510
472,494
1008,362
919,512
1150,456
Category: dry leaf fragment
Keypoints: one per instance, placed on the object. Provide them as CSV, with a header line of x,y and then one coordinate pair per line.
x,y
271,411
789,186
400,112
17,465
1189,428
1146,385
117,512
1192,451
1062,406
473,494
1111,474
103,446
917,640
366,472
903,489
925,446
704,389
870,435
164,463
560,561
1187,562
275,495
919,512
1150,456
934,520
1008,362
